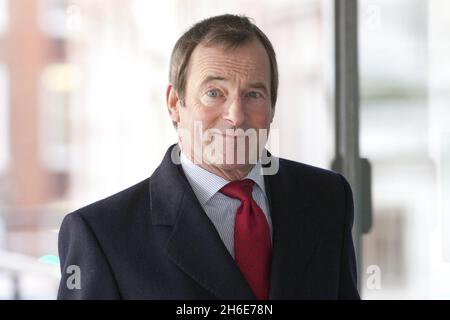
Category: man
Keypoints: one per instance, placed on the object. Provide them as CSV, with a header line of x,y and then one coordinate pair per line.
x,y
211,223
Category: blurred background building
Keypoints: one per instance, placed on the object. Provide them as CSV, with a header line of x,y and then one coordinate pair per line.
x,y
83,115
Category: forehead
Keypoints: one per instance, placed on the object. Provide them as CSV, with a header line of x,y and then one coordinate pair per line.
x,y
246,62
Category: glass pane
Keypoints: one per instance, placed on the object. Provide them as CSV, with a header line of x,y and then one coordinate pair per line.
x,y
3,16
404,59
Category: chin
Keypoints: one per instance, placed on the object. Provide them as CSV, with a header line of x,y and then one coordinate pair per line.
x,y
221,163
232,166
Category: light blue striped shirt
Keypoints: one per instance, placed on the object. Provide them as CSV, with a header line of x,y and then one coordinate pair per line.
x,y
221,209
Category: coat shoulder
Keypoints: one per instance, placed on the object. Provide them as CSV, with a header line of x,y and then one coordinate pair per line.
x,y
303,170
116,207
321,183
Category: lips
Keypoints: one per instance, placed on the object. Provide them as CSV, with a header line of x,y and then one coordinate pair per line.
x,y
231,135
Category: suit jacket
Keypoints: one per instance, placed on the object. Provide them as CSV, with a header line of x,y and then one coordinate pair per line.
x,y
154,241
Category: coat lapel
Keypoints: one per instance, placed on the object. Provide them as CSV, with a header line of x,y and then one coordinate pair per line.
x,y
194,245
294,233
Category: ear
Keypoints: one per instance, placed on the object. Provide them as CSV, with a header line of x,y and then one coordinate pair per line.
x,y
172,101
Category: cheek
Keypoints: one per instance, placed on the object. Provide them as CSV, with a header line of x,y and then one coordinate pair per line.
x,y
196,112
259,118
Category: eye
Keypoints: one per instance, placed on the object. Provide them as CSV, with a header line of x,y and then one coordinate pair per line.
x,y
213,93
254,94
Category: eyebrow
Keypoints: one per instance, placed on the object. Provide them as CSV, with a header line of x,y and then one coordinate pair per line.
x,y
211,78
255,85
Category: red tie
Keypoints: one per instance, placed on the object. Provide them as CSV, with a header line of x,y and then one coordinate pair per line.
x,y
252,246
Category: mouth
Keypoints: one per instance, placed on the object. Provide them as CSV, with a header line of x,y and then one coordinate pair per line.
x,y
236,135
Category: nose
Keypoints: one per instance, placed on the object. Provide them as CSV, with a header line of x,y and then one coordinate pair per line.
x,y
235,113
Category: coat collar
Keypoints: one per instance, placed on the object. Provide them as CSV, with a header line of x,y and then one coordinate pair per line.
x,y
206,184
196,248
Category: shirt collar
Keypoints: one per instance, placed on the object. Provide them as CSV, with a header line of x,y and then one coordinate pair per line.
x,y
206,184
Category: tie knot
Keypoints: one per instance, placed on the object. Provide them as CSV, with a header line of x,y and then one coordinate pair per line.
x,y
239,189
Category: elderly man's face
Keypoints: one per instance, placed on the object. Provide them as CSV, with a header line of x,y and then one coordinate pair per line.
x,y
225,90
